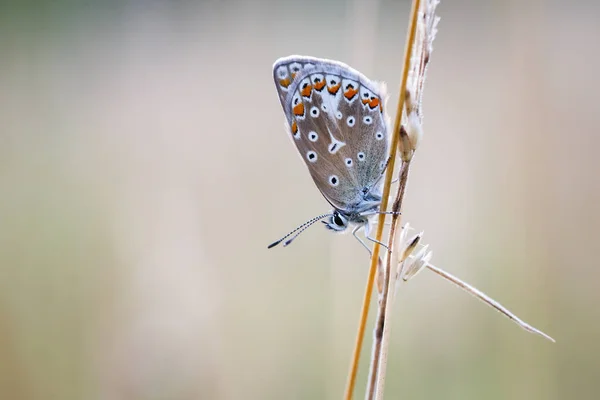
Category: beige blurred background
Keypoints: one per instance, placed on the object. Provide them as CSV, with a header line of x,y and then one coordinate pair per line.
x,y
144,169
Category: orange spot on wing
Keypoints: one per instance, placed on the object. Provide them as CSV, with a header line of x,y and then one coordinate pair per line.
x,y
334,89
365,101
374,103
285,82
306,91
319,85
299,109
294,127
350,93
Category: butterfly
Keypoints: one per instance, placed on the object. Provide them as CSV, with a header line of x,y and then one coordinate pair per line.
x,y
335,117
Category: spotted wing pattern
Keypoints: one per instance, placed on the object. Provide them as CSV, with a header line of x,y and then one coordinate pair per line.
x,y
336,119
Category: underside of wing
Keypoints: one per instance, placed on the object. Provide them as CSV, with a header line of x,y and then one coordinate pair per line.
x,y
336,119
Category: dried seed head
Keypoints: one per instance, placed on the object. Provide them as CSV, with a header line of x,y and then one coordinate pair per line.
x,y
401,239
406,147
411,245
420,57
409,263
401,249
414,130
416,263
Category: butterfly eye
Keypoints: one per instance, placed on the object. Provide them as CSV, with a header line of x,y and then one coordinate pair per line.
x,y
361,156
348,162
311,156
314,112
350,121
338,220
339,115
368,120
312,136
379,136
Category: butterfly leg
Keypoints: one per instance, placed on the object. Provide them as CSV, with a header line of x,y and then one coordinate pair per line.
x,y
354,231
374,240
382,212
377,241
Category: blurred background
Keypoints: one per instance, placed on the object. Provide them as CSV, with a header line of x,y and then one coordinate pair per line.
x,y
144,168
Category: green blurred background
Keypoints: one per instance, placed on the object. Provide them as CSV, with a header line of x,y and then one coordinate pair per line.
x,y
144,168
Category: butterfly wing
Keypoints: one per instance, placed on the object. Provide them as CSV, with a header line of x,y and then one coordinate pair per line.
x,y
336,120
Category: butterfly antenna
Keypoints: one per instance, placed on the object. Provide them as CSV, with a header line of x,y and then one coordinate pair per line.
x,y
298,230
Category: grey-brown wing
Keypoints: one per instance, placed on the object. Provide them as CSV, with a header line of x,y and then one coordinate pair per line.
x,y
336,120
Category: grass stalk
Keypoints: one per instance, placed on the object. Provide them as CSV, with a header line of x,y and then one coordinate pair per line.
x,y
351,381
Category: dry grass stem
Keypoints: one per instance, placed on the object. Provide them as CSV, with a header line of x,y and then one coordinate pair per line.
x,y
406,254
384,203
418,50
381,332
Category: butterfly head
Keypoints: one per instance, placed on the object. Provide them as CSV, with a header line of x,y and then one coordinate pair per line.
x,y
337,222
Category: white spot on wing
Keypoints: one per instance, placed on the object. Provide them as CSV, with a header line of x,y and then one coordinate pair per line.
x,y
317,79
347,85
295,67
336,144
297,99
334,180
332,80
282,72
305,83
365,94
